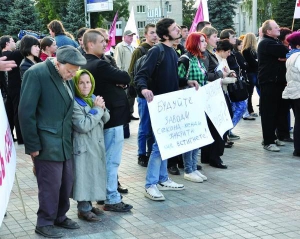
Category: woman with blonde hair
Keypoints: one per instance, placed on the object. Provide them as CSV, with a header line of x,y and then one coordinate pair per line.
x,y
249,52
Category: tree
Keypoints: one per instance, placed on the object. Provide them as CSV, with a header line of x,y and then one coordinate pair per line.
x,y
75,16
4,10
264,9
98,18
283,14
221,13
189,12
51,9
23,16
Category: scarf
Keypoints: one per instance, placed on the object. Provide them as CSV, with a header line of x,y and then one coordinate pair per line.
x,y
292,52
88,99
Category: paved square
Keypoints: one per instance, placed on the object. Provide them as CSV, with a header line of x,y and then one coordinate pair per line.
x,y
256,197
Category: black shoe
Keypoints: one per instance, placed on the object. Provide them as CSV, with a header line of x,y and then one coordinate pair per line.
x,y
134,118
100,202
143,160
174,170
204,162
290,140
118,207
67,223
219,165
48,231
199,167
296,154
248,118
228,145
122,189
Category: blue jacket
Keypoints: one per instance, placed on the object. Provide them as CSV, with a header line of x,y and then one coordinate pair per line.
x,y
62,40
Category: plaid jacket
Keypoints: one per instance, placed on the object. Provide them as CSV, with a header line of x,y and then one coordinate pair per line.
x,y
195,72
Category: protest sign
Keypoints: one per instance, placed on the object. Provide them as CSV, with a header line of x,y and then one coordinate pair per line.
x,y
216,107
7,161
178,122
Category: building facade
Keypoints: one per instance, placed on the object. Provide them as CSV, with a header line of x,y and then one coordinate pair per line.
x,y
150,12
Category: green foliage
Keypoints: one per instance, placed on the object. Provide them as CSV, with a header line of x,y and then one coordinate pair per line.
x,y
221,13
74,18
4,10
283,14
50,10
264,9
98,18
23,16
189,12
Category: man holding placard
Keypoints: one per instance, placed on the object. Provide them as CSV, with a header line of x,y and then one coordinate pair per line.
x,y
164,79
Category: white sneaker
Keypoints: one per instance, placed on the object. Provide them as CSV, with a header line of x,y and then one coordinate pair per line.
x,y
169,185
272,148
201,175
279,143
194,177
154,194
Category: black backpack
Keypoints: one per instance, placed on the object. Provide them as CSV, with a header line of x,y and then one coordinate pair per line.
x,y
140,62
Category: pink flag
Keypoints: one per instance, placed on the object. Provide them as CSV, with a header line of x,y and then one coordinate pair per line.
x,y
112,33
198,18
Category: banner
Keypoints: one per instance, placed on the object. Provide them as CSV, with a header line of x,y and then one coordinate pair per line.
x,y
7,161
99,5
297,9
179,122
216,107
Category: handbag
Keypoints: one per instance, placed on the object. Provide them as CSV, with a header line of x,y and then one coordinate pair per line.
x,y
237,91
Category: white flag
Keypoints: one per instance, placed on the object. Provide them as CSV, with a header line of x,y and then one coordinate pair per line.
x,y
297,9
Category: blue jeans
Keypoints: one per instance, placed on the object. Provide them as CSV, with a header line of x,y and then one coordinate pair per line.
x,y
190,160
145,134
238,109
157,168
254,81
113,139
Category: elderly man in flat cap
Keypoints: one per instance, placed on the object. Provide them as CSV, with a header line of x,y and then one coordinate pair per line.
x,y
45,114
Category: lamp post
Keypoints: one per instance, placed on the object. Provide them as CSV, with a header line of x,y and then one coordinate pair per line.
x,y
254,16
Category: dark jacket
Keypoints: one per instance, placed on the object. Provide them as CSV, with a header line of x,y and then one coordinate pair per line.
x,y
45,113
270,69
251,58
107,77
211,63
14,77
164,78
26,64
243,65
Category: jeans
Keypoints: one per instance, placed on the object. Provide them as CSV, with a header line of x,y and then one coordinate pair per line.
x,y
84,206
190,160
113,139
157,168
238,109
145,134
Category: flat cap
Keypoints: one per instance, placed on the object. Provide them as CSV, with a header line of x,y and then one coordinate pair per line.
x,y
69,54
128,33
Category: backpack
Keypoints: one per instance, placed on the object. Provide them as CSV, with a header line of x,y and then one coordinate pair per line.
x,y
140,62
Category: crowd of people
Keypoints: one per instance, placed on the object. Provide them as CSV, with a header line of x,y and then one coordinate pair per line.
x,y
71,103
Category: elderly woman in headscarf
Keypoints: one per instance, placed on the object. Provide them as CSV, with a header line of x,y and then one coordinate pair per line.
x,y
89,117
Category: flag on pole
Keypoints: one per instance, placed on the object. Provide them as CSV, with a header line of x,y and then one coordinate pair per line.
x,y
132,26
201,15
112,34
198,18
297,10
205,10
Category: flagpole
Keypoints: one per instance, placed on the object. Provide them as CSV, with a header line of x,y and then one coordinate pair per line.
x,y
293,24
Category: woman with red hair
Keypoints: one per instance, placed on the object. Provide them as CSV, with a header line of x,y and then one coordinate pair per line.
x,y
191,67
